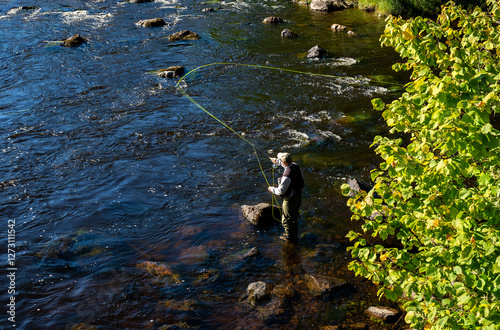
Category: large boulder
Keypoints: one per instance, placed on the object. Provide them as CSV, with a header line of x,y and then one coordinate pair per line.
x,y
184,35
328,5
262,214
152,22
74,41
316,52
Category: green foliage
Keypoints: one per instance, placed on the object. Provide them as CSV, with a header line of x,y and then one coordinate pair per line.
x,y
412,7
437,191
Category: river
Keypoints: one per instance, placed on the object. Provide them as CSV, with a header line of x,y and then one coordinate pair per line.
x,y
122,198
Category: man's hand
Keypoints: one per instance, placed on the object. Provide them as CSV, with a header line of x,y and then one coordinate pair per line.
x,y
273,160
270,189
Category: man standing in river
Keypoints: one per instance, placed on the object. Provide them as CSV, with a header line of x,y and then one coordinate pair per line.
x,y
290,186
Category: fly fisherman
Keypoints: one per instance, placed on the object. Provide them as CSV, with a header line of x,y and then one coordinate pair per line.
x,y
290,186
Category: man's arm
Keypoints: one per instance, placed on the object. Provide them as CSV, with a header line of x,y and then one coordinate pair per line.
x,y
284,183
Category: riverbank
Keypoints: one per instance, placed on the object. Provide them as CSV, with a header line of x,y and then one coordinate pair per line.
x,y
405,8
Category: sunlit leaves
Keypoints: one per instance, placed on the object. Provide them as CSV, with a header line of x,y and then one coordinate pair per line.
x,y
437,189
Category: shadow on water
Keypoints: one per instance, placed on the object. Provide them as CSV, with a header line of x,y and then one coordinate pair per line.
x,y
127,197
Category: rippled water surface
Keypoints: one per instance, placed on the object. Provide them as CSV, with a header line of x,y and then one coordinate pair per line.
x,y
126,197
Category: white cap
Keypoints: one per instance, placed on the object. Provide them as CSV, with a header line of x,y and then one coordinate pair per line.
x,y
285,157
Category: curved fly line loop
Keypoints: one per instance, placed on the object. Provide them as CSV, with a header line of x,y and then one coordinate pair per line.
x,y
255,148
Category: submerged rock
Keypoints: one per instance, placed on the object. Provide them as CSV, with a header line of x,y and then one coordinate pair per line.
x,y
272,20
316,52
172,72
351,33
324,285
179,314
206,276
152,22
286,33
160,272
262,214
81,326
184,35
74,41
273,305
240,259
81,244
328,5
254,252
194,255
188,305
278,310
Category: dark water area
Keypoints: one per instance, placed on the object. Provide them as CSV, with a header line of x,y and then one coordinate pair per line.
x,y
125,197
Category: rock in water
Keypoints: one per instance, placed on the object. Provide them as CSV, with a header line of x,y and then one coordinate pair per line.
x,y
257,292
384,313
272,20
354,186
262,214
324,285
74,41
316,52
338,27
286,33
153,22
328,5
184,35
172,72
254,252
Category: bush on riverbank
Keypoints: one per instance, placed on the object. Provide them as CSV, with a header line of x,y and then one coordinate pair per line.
x,y
437,191
413,7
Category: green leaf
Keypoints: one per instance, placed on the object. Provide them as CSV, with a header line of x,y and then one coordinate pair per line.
x,y
484,179
378,104
463,299
391,295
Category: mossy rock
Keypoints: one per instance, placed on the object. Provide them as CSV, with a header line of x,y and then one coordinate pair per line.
x,y
74,41
184,35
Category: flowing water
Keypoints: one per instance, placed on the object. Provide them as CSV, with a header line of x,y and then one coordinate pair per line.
x,y
125,197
